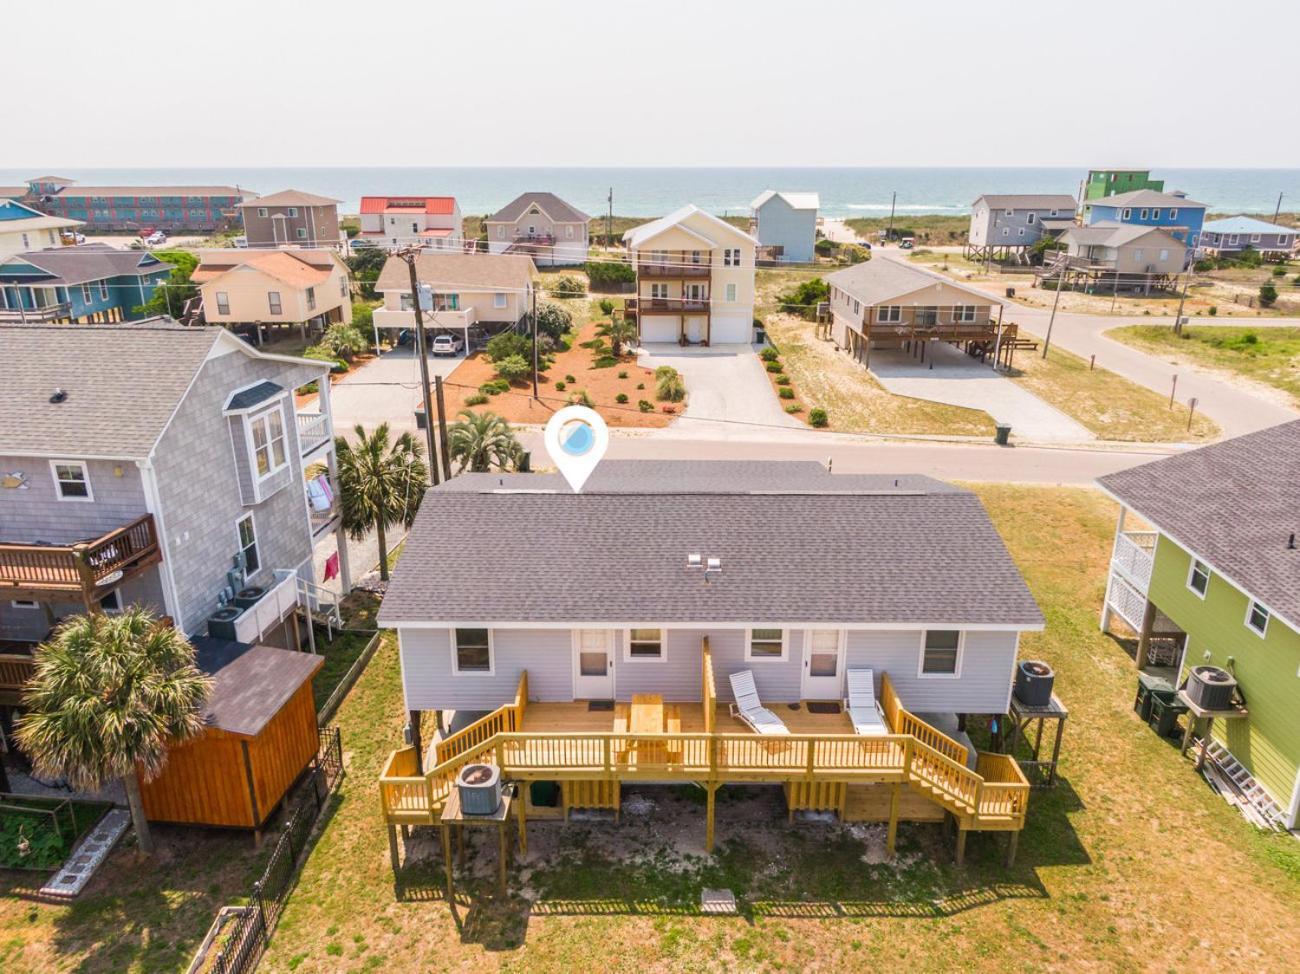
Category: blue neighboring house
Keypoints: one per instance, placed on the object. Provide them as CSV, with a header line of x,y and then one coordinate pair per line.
x,y
91,283
1173,212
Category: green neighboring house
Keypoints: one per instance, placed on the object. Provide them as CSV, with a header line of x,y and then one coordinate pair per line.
x,y
1111,182
1215,577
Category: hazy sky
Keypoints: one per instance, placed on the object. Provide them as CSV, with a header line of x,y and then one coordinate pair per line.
x,y
621,82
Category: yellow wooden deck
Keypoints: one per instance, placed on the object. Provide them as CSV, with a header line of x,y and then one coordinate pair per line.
x,y
818,762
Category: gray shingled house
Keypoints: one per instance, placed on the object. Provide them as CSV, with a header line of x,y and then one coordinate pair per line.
x,y
598,628
1005,226
162,465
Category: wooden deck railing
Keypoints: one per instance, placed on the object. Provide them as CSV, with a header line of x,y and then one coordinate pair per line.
x,y
503,720
16,669
80,567
903,721
708,688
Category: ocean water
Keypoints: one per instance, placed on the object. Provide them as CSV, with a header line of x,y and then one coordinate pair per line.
x,y
653,192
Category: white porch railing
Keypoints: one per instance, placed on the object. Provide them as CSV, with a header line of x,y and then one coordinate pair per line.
x,y
1126,601
321,604
1133,557
313,431
389,318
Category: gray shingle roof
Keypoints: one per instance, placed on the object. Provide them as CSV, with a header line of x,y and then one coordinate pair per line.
x,y
1107,233
463,272
1234,505
87,262
250,689
552,205
122,382
1029,201
797,545
1145,197
877,281
247,398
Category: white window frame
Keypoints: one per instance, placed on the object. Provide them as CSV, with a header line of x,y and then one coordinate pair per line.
x,y
730,293
1155,213
1283,239
311,298
499,299
1251,606
116,596
256,545
961,652
1254,238
964,312
663,646
785,647
1143,213
25,604
1191,574
103,290
1051,213
1164,256
1126,213
731,257
275,307
250,421
300,232
1020,231
1030,218
223,303
1232,240
658,291
1173,214
1006,231
85,478
889,314
87,295
261,211
455,653
293,211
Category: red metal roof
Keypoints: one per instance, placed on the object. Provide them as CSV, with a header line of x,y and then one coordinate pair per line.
x,y
444,205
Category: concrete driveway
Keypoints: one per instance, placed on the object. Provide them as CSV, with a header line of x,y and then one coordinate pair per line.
x,y
951,376
385,389
728,391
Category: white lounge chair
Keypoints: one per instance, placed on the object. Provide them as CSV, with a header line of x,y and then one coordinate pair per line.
x,y
750,709
868,719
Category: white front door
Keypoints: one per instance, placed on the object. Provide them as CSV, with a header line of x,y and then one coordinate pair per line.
x,y
593,664
823,665
694,330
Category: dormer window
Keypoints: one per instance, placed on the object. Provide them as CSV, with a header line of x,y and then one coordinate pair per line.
x,y
267,438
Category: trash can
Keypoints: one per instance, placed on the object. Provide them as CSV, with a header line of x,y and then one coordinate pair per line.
x,y
1011,292
1165,711
419,419
1003,434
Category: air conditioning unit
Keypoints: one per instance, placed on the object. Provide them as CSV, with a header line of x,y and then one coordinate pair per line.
x,y
480,789
1210,687
1034,680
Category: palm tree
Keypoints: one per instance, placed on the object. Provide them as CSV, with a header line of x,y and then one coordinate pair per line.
x,y
620,332
110,694
381,484
481,441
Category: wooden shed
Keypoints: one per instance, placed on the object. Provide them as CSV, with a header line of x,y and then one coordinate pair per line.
x,y
261,736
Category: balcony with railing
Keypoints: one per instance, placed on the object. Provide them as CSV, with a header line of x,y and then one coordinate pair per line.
x,y
50,312
313,432
676,268
666,306
1134,557
437,318
84,571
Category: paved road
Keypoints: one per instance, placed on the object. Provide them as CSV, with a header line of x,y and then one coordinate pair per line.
x,y
384,389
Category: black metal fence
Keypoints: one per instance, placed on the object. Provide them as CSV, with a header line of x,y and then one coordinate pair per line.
x,y
241,944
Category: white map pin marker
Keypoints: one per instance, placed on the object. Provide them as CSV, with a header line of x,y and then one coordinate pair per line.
x,y
576,438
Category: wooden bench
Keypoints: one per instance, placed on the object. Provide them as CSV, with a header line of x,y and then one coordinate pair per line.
x,y
673,725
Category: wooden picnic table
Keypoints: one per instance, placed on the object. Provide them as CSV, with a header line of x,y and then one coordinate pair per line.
x,y
647,714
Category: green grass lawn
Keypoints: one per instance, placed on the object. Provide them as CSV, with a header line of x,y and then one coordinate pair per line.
x,y
1100,882
1270,356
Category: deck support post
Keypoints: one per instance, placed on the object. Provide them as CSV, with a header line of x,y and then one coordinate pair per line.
x,y
393,856
1144,637
712,789
1013,840
892,835
523,817
961,845
413,717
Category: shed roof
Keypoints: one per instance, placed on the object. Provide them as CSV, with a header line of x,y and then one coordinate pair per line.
x,y
1235,505
487,272
877,281
251,683
549,203
854,550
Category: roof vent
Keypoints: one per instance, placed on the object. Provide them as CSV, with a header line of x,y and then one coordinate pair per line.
x,y
1290,542
694,560
58,395
713,566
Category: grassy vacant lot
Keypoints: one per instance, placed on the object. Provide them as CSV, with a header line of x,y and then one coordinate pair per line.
x,y
933,229
1270,356
1107,404
1099,883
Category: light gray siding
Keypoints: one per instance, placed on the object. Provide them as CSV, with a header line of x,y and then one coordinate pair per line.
x,y
987,665
676,677
198,487
29,625
430,684
35,514
781,225
995,227
777,681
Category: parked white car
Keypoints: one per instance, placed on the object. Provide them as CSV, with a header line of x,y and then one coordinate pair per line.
x,y
447,345
156,239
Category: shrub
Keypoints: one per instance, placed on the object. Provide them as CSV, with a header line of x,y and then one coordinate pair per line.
x,y
581,398
604,362
646,406
475,399
1213,310
320,353
640,385
344,340
488,389
855,254
825,248
507,344
819,418
1203,265
1267,295
773,366
793,407
514,368
785,392
606,307
769,355
363,317
664,370
553,320
501,385
569,287
570,379
782,380
609,273
622,374
1279,272
670,388
559,387
802,300
621,398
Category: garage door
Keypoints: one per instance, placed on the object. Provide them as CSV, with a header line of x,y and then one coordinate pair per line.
x,y
729,329
659,328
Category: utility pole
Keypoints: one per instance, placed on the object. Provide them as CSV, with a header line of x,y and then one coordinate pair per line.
x,y
422,351
442,429
533,315
609,220
1178,318
1278,209
890,235
1047,341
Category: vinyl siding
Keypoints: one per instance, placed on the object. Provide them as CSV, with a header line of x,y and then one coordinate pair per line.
x,y
37,515
779,224
987,667
30,625
1268,669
